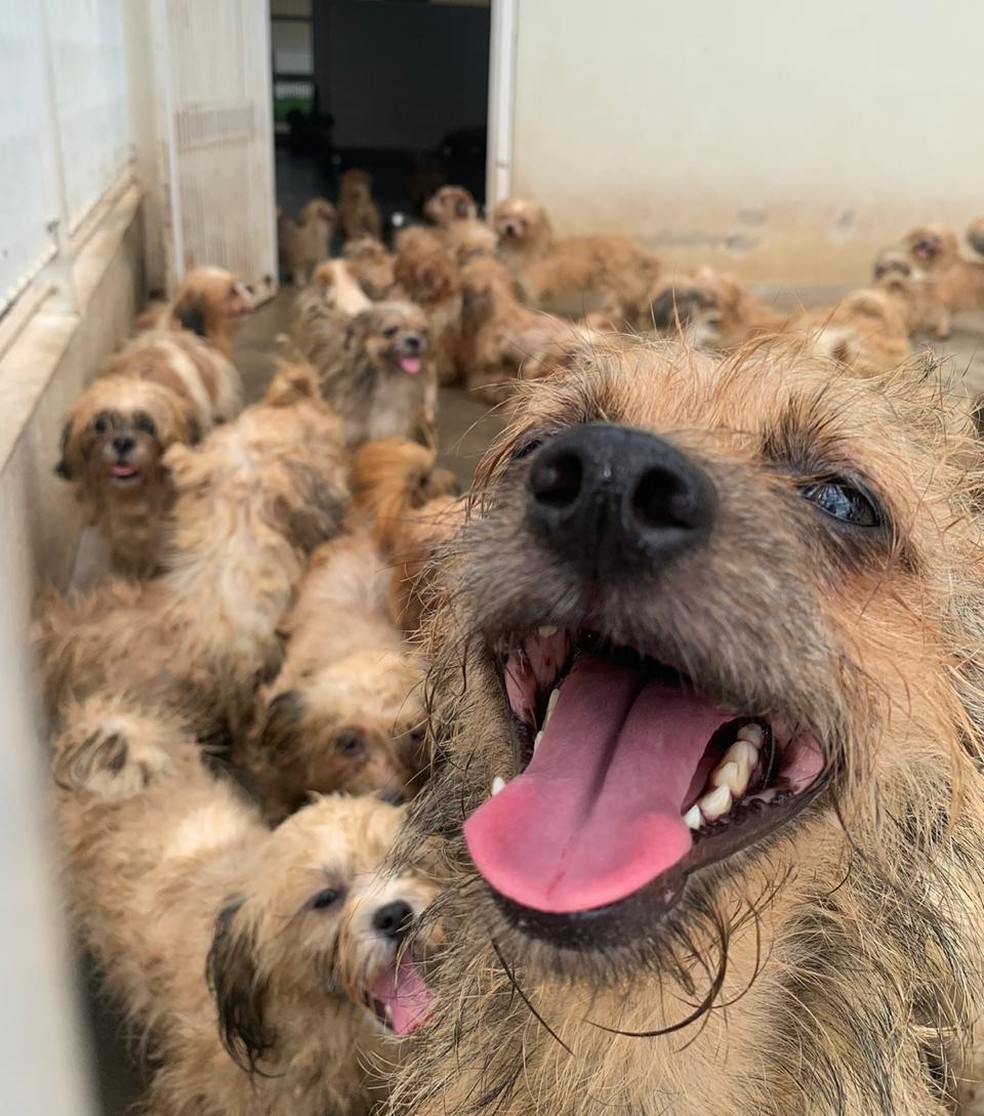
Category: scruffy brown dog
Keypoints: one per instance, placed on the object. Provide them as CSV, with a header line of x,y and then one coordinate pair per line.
x,y
710,798
358,214
265,972
912,290
934,253
163,387
566,273
449,206
372,265
378,375
427,276
306,242
866,331
713,309
251,504
210,302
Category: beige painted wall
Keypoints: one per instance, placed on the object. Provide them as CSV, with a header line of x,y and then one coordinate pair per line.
x,y
787,142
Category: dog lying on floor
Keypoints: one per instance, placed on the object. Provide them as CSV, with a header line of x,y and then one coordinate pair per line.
x,y
174,878
566,273
251,504
711,803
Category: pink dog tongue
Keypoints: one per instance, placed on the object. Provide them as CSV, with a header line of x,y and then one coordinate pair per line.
x,y
410,364
402,989
122,470
597,814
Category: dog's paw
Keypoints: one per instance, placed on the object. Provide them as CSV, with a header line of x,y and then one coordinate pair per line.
x,y
110,755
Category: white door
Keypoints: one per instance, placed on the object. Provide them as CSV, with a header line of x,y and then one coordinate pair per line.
x,y
212,58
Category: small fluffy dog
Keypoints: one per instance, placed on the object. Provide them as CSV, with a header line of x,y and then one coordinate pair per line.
x,y
372,265
378,374
499,333
708,702
453,211
912,290
450,205
210,302
306,242
866,331
164,387
427,276
565,273
251,503
938,269
358,214
713,309
338,289
266,972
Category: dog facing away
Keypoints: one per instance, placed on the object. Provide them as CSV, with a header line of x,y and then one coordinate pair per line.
x,y
306,242
265,972
371,263
358,214
710,799
376,372
164,387
251,503
567,273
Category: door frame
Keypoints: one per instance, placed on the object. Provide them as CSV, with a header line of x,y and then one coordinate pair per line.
x,y
502,101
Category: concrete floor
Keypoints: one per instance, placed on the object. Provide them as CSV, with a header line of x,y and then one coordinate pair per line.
x,y
466,428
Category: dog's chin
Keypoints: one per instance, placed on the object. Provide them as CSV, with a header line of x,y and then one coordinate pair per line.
x,y
629,782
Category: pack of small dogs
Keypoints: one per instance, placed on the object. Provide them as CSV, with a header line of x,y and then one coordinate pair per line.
x,y
645,777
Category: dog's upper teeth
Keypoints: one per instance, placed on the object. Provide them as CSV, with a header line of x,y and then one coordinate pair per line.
x,y
551,705
736,767
716,803
692,818
498,784
751,732
536,741
547,630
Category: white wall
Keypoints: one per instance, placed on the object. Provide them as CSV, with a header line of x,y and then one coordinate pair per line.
x,y
785,141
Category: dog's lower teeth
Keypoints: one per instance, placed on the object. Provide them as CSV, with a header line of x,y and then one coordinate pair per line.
x,y
498,784
536,741
551,705
692,818
716,804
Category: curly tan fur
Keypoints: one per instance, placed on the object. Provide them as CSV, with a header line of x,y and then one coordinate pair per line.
x,y
172,875
251,503
836,964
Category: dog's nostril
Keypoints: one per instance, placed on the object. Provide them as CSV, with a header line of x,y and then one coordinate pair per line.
x,y
123,443
557,482
393,920
661,499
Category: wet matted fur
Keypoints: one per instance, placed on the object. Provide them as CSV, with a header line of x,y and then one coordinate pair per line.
x,y
835,584
251,504
245,960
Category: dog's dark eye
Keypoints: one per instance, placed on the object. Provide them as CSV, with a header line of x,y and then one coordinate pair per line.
x,y
391,331
145,424
350,744
100,426
530,444
417,735
844,501
325,899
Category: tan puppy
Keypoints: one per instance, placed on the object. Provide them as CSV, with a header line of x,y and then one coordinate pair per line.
x,y
427,276
708,707
378,375
453,211
933,251
449,206
358,214
866,331
336,288
251,503
265,972
567,273
306,242
210,302
713,309
910,288
372,265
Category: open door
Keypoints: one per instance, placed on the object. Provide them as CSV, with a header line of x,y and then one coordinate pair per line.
x,y
212,63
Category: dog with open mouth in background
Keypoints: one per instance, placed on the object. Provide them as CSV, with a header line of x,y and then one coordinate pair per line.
x,y
567,273
306,242
707,703
251,504
264,972
358,213
164,387
377,373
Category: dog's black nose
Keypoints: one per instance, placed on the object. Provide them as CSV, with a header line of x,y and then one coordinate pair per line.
x,y
393,920
123,443
413,342
611,500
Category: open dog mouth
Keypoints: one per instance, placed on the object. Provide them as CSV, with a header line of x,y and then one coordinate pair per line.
x,y
924,249
399,997
122,472
628,781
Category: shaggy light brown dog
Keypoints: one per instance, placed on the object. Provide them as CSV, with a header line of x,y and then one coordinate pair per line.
x,y
912,289
427,276
210,302
372,265
934,252
499,333
251,504
306,242
569,273
265,973
449,206
376,371
709,699
163,387
358,214
334,287
713,309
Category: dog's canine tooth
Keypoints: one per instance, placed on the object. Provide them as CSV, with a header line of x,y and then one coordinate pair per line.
x,y
735,769
692,818
753,733
537,739
498,784
715,804
551,705
547,630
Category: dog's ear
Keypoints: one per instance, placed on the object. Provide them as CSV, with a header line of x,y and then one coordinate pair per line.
x,y
189,311
63,469
239,991
278,734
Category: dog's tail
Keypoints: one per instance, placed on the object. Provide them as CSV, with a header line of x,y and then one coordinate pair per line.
x,y
391,478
